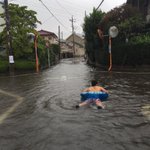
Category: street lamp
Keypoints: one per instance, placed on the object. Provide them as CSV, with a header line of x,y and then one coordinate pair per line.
x,y
34,37
113,32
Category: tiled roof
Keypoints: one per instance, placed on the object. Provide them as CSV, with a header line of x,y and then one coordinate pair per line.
x,y
47,33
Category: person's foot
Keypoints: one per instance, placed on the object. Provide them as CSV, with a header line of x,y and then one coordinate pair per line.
x,y
99,107
77,106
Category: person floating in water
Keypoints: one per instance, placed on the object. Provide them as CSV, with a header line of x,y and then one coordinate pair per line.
x,y
97,101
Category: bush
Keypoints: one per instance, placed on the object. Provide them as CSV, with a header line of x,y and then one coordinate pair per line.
x,y
24,65
4,65
131,54
141,39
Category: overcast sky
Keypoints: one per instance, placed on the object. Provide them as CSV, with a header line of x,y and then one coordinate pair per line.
x,y
63,10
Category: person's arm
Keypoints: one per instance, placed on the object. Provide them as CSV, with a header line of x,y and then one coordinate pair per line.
x,y
86,90
103,90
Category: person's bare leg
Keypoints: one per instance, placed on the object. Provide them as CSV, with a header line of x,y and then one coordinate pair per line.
x,y
99,103
82,104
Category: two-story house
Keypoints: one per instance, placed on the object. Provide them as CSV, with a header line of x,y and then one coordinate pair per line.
x,y
49,37
77,44
73,46
66,50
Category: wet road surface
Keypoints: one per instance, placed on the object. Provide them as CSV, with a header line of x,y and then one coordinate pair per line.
x,y
37,110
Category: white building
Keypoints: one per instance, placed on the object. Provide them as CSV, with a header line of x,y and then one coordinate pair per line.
x,y
79,44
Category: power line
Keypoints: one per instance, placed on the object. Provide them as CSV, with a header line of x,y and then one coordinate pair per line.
x,y
52,13
46,19
63,7
100,4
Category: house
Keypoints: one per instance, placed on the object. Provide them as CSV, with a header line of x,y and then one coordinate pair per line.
x,y
49,37
66,50
76,43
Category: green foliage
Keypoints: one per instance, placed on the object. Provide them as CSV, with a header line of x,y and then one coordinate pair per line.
x,y
54,53
22,21
1,40
4,65
131,54
130,23
141,39
42,52
93,43
24,65
124,17
55,48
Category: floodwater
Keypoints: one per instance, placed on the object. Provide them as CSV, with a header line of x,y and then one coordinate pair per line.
x,y
37,110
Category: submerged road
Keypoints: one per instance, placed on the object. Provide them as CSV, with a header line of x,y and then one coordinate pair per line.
x,y
37,110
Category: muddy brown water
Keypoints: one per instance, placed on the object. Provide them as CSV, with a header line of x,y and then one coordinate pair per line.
x,y
47,120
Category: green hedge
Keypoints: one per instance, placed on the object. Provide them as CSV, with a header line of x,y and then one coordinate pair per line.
x,y
135,52
4,65
131,54
18,65
24,65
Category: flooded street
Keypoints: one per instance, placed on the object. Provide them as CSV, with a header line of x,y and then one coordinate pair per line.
x,y
37,110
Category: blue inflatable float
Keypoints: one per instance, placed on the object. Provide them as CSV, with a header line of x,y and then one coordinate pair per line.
x,y
94,95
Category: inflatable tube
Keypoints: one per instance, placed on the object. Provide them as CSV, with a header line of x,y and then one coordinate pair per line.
x,y
94,95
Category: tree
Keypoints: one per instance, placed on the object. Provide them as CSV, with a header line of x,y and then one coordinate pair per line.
x,y
92,40
130,46
22,21
127,18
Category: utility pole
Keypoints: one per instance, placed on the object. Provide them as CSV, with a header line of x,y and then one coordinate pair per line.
x,y
72,25
9,39
62,35
48,55
85,13
59,41
36,51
